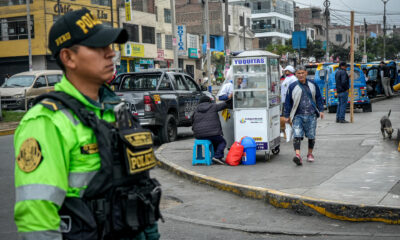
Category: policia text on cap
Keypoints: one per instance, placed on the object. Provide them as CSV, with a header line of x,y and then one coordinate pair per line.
x,y
82,161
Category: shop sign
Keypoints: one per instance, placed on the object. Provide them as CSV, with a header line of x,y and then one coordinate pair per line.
x,y
128,10
133,50
160,55
64,8
181,41
146,61
249,61
193,53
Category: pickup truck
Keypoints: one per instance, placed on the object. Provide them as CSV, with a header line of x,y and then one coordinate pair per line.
x,y
162,100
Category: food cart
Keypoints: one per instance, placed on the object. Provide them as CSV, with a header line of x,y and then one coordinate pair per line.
x,y
256,101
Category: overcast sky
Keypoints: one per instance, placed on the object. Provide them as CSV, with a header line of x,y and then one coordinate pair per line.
x,y
371,10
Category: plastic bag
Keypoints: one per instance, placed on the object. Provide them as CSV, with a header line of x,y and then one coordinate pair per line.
x,y
288,132
234,156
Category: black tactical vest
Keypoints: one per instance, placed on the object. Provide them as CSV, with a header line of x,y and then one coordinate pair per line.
x,y
121,200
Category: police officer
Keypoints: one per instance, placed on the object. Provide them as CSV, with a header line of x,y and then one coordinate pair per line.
x,y
64,190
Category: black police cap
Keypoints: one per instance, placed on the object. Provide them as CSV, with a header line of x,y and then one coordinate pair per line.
x,y
81,27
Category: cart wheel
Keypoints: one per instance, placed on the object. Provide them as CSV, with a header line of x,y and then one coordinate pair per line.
x,y
276,150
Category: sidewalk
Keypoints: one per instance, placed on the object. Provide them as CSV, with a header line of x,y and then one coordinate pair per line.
x,y
356,175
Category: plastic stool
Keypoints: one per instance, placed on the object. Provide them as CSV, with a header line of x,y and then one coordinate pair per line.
x,y
198,157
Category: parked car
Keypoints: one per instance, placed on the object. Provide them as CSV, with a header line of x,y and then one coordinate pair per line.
x,y
27,85
161,99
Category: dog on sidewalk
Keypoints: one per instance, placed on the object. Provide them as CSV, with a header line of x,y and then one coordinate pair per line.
x,y
386,126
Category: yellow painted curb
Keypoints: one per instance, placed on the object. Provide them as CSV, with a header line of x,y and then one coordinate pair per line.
x,y
7,132
302,204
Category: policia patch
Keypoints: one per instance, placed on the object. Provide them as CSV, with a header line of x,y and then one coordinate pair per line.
x,y
29,156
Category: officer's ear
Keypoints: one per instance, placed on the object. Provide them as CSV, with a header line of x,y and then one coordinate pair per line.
x,y
68,57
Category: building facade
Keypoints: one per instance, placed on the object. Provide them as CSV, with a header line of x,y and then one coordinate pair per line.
x,y
272,21
141,50
240,34
341,36
311,20
14,45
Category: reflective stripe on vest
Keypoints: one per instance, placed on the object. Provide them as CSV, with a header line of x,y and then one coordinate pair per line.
x,y
40,192
70,116
80,179
42,235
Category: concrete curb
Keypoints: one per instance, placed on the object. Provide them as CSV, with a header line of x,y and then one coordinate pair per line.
x,y
7,132
300,204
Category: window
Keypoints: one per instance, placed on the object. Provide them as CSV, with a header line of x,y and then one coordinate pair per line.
x,y
191,84
101,2
248,21
40,82
192,43
53,79
180,82
148,35
229,20
338,37
212,42
15,28
159,40
133,31
13,2
241,20
167,15
168,42
258,5
141,82
165,84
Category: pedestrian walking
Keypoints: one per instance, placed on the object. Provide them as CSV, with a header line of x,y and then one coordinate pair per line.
x,y
303,105
384,72
82,160
289,79
206,125
342,87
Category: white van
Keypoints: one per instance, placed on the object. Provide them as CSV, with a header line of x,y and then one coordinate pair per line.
x,y
27,85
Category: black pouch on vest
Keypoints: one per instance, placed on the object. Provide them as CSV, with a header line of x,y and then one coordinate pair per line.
x,y
137,149
77,221
136,207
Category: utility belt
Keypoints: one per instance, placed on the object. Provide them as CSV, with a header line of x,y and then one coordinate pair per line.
x,y
121,200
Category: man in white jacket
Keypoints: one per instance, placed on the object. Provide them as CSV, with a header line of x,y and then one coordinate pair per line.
x,y
290,78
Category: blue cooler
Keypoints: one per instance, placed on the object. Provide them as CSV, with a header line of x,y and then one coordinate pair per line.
x,y
249,152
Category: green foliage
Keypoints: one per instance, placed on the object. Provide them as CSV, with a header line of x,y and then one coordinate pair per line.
x,y
280,49
12,116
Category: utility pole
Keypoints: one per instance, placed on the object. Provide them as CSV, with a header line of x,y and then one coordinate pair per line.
x,y
326,5
352,66
384,28
174,42
207,25
226,40
365,42
112,19
244,32
28,24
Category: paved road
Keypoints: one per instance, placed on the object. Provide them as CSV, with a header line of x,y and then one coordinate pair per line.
x,y
199,212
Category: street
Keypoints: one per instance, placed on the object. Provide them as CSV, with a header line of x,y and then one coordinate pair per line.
x,y
195,211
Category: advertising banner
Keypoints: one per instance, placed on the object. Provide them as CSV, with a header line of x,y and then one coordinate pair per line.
x,y
252,123
128,10
160,55
193,53
181,40
133,50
